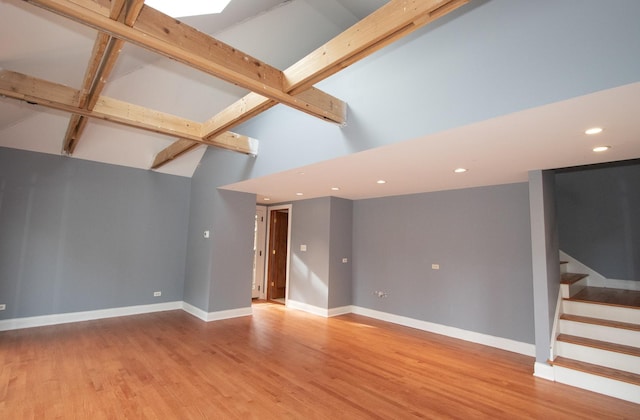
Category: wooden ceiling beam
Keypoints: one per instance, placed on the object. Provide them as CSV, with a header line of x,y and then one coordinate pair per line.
x,y
53,95
103,57
391,22
164,35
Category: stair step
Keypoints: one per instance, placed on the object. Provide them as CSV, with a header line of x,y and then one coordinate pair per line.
x,y
570,278
615,374
625,333
609,296
602,345
602,322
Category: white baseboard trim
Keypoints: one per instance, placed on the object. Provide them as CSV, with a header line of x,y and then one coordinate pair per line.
x,y
316,310
218,315
195,311
229,313
342,310
301,306
544,371
44,320
622,284
474,337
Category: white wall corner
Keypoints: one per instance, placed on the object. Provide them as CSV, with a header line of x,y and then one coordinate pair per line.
x,y
544,371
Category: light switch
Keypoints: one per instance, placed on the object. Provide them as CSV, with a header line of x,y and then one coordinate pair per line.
x,y
206,234
435,266
303,248
345,260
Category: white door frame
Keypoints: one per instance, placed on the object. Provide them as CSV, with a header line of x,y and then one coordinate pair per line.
x,y
260,247
289,209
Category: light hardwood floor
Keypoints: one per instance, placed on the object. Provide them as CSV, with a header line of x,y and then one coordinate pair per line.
x,y
279,363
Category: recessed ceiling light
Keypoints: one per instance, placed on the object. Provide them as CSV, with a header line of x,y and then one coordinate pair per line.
x,y
459,170
601,148
381,181
184,8
335,188
300,173
593,130
299,194
266,199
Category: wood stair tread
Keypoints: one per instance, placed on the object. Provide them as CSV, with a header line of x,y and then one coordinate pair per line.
x,y
570,278
602,345
608,296
606,372
602,322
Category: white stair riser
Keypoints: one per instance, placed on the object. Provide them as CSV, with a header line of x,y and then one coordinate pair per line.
x,y
599,357
563,268
612,313
600,332
569,290
622,390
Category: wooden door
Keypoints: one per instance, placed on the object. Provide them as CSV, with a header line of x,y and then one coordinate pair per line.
x,y
278,232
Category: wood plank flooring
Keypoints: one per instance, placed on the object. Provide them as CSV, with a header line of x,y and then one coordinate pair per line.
x,y
277,364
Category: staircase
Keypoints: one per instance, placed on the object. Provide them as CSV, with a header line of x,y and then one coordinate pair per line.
x,y
597,343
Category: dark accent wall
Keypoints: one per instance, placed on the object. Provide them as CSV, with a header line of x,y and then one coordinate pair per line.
x,y
481,239
78,235
599,218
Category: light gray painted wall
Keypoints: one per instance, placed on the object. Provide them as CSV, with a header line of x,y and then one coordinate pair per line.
x,y
599,218
340,246
487,59
544,256
481,239
78,235
219,269
309,271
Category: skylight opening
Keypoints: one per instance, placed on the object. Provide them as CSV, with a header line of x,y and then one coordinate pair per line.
x,y
185,8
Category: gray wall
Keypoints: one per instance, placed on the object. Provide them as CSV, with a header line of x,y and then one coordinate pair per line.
x,y
309,271
341,235
481,239
599,218
219,269
78,235
544,256
318,276
487,59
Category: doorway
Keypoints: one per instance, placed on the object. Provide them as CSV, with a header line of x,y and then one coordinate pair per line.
x,y
259,254
279,234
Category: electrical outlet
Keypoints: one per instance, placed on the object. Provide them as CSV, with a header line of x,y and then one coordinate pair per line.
x,y
158,293
3,306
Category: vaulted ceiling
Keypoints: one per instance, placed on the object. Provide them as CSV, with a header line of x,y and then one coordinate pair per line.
x,y
71,86
43,68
